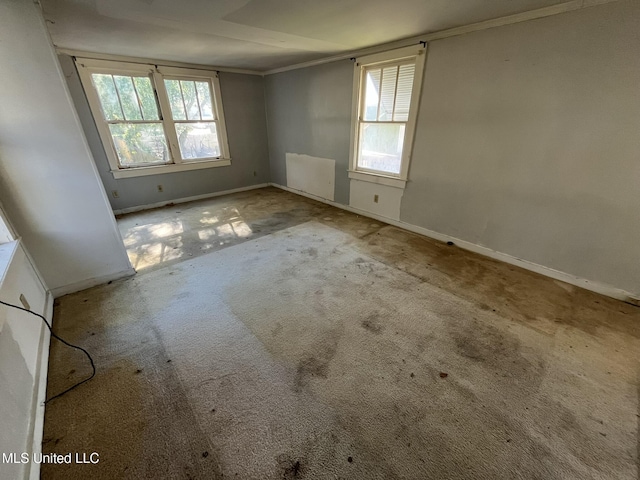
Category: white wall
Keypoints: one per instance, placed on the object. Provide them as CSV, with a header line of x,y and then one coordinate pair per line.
x,y
528,142
48,182
24,348
312,175
362,195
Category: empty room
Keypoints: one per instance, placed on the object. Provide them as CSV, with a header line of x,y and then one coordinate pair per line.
x,y
278,239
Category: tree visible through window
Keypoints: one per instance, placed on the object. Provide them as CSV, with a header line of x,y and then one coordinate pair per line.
x,y
129,107
151,116
193,117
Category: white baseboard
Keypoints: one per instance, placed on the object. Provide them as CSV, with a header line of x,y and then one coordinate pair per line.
x,y
40,393
149,206
593,286
91,282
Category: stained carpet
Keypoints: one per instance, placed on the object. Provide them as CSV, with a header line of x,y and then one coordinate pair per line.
x,y
310,354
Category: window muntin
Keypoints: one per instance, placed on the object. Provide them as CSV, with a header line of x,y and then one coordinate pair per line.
x,y
386,92
193,117
164,119
129,107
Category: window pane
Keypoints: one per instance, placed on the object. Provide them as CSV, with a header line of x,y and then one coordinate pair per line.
x,y
403,95
381,147
108,96
198,140
139,143
175,99
190,100
204,95
372,90
388,94
128,98
147,98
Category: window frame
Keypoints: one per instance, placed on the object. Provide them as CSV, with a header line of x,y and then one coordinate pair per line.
x,y
7,233
417,53
86,67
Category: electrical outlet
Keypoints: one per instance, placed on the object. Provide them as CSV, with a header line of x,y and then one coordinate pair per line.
x,y
115,193
160,188
375,199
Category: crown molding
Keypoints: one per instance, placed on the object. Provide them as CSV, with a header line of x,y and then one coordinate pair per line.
x,y
164,63
451,32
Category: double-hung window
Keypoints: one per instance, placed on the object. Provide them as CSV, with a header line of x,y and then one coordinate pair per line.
x,y
155,119
386,95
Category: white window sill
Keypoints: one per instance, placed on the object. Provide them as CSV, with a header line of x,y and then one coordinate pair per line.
x,y
377,178
171,168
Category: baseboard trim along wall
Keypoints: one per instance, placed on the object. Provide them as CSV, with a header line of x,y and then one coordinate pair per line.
x,y
40,393
139,208
593,286
91,282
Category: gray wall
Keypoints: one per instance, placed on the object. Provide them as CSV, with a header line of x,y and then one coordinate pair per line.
x,y
527,139
528,142
309,112
244,108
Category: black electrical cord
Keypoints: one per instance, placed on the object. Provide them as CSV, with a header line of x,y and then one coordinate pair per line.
x,y
93,367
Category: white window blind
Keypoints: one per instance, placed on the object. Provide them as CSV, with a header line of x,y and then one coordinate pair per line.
x,y
383,116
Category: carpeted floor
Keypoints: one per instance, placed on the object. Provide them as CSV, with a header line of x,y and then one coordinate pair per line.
x,y
312,353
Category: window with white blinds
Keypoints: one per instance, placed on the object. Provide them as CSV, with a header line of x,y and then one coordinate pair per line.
x,y
386,94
